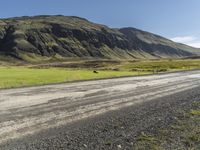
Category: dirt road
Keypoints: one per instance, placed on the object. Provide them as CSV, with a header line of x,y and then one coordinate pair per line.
x,y
26,112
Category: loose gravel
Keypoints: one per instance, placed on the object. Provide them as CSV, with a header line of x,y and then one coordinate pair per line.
x,y
113,130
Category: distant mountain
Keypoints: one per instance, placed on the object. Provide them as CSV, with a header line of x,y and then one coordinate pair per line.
x,y
41,37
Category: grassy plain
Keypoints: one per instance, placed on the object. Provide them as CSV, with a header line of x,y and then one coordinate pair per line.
x,y
57,72
11,77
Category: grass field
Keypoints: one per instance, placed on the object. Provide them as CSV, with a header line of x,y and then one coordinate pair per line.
x,y
11,77
39,74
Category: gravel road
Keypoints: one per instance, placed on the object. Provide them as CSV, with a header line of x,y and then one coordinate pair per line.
x,y
101,114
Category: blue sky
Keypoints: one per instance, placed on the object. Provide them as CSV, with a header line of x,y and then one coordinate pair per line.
x,y
178,20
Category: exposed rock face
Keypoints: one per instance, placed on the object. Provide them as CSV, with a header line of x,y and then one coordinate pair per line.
x,y
76,37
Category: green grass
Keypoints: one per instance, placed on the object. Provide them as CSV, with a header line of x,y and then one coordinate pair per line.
x,y
22,76
195,112
50,72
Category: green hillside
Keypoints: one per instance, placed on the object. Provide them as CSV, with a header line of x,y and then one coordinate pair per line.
x,y
60,37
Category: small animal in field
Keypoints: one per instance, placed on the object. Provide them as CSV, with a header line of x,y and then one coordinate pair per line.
x,y
95,72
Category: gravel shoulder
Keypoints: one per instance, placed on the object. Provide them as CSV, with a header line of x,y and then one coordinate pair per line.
x,y
118,129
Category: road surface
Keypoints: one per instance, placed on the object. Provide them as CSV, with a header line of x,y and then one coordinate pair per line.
x,y
26,112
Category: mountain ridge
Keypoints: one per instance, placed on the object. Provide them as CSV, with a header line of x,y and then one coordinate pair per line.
x,y
34,37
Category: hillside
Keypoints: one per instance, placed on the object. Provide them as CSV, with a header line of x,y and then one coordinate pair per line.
x,y
42,37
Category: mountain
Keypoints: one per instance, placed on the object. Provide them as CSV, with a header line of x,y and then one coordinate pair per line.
x,y
41,37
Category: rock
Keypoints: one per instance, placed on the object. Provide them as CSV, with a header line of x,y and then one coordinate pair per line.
x,y
119,146
85,145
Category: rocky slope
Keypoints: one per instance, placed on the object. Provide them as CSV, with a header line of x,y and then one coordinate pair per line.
x,y
39,37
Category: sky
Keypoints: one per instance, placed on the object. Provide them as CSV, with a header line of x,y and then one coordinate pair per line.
x,y
178,20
